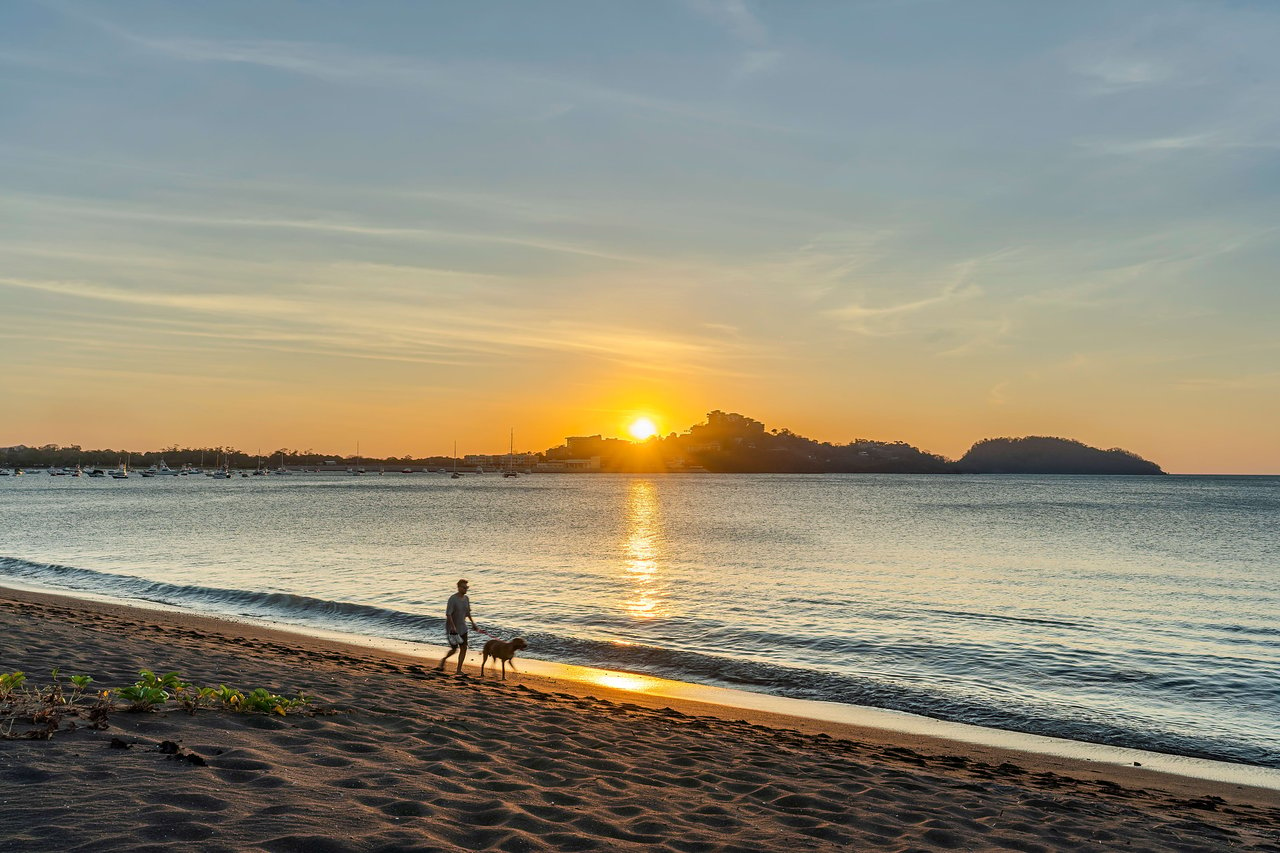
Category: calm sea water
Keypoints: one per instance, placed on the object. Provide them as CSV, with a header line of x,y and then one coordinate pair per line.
x,y
1135,611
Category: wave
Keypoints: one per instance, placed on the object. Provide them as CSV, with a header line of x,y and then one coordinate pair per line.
x,y
999,617
931,700
274,605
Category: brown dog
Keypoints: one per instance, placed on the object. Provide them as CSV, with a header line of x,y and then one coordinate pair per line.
x,y
503,651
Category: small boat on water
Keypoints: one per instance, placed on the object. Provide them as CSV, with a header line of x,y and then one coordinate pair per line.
x,y
511,452
97,472
121,473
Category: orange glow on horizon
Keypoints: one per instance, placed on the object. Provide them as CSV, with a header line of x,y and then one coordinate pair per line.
x,y
642,429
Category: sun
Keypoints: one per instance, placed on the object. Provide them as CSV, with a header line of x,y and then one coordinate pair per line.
x,y
642,428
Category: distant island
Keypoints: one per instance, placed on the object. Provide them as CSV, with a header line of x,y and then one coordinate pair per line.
x,y
1042,455
726,442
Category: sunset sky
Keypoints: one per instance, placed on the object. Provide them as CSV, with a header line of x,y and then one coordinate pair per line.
x,y
305,225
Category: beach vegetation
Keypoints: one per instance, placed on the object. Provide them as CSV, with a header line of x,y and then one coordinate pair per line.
x,y
10,682
151,691
259,699
47,706
142,698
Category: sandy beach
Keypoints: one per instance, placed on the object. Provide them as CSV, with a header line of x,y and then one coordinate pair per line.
x,y
397,757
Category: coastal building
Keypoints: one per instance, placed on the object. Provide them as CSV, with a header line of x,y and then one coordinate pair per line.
x,y
559,466
586,446
499,460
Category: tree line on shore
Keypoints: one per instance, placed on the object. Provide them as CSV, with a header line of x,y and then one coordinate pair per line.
x,y
726,442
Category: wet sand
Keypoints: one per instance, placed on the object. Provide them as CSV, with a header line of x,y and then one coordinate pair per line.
x,y
397,757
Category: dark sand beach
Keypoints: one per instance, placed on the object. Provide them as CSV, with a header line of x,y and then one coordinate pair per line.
x,y
397,757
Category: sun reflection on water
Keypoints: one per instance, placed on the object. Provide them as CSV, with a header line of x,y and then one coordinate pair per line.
x,y
641,551
619,681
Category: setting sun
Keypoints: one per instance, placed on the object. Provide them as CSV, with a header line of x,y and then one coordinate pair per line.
x,y
642,428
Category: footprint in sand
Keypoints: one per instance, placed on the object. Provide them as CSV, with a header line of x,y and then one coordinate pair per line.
x,y
189,801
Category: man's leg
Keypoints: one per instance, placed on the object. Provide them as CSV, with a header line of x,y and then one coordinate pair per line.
x,y
448,654
462,652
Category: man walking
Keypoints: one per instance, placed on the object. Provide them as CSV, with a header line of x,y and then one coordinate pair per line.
x,y
456,615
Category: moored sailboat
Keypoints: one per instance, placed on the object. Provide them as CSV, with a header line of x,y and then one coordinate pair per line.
x,y
511,452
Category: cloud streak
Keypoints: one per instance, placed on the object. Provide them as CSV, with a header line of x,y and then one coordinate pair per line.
x,y
327,226
426,335
492,83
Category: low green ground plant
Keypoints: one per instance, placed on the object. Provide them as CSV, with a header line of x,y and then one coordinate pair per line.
x,y
46,707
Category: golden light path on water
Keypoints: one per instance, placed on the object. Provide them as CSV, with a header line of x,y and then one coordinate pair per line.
x,y
626,681
641,550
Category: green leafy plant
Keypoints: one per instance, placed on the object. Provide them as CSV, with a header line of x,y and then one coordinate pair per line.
x,y
141,697
48,706
170,681
11,682
263,700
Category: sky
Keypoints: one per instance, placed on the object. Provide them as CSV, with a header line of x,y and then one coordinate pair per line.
x,y
310,224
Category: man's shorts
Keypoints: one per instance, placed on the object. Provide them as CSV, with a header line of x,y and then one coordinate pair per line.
x,y
456,640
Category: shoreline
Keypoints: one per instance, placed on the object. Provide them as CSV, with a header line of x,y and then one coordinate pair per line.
x,y
394,757
1123,765
864,724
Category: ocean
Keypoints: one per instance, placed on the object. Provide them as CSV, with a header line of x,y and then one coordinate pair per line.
x,y
1133,611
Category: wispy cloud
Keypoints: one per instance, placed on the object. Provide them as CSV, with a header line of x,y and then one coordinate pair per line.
x,y
322,226
492,83
1206,141
949,293
240,304
737,19
959,286
1246,382
1115,74
428,334
980,334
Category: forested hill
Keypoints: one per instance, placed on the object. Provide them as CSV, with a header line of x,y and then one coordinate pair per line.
x,y
732,443
1046,455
